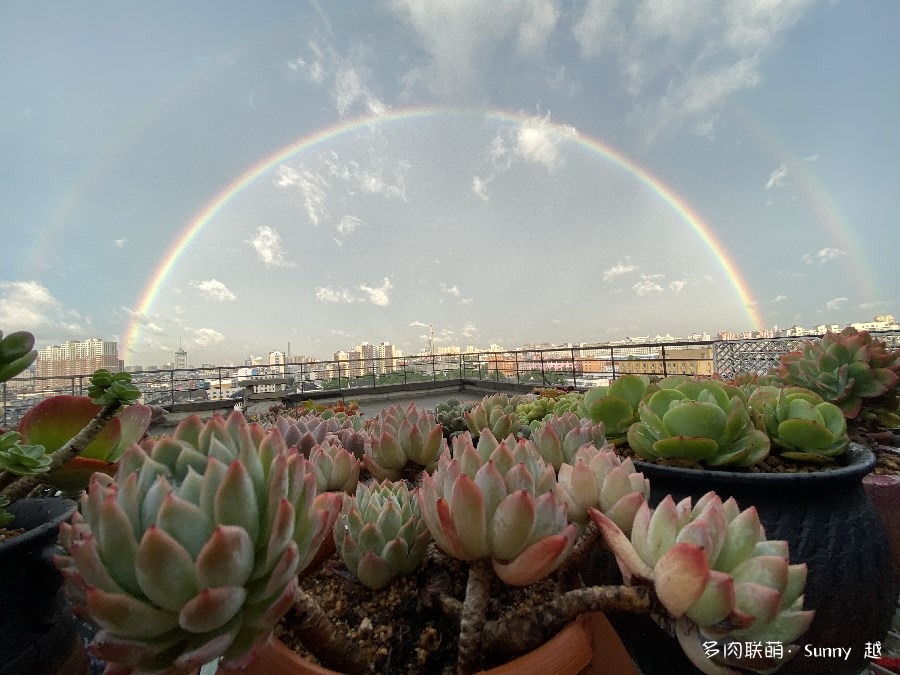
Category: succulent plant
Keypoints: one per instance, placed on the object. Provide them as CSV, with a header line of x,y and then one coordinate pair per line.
x,y
844,368
380,533
714,571
496,412
336,468
799,423
698,420
192,551
497,502
597,478
616,405
16,353
450,414
400,437
560,437
20,458
536,408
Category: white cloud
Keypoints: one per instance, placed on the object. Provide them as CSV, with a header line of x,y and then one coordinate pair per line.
x,y
26,305
537,140
779,298
875,304
418,324
314,69
451,290
618,270
469,330
350,89
207,337
347,225
678,285
647,285
823,256
328,294
479,187
777,177
120,243
214,290
312,189
378,295
267,244
835,304
811,158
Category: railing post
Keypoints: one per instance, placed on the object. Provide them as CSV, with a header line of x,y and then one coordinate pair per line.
x,y
574,376
543,374
516,359
172,386
662,351
612,363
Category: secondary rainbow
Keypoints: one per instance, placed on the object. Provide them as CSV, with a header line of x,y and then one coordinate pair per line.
x,y
180,244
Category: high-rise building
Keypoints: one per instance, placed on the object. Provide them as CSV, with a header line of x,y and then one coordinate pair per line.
x,y
77,357
276,362
180,358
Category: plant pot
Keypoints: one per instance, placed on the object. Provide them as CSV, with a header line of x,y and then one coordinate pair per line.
x,y
829,523
37,628
884,491
587,646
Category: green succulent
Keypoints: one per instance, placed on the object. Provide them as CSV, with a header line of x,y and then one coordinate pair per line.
x,y
22,459
560,437
380,533
496,412
403,438
698,420
108,388
800,423
850,369
450,414
616,405
16,353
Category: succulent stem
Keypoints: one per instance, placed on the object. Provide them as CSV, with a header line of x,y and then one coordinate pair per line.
x,y
519,634
20,487
322,639
472,620
567,577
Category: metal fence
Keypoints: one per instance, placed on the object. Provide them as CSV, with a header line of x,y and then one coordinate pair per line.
x,y
580,367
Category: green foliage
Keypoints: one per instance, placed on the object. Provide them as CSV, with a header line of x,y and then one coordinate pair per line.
x,y
112,388
5,517
16,353
22,460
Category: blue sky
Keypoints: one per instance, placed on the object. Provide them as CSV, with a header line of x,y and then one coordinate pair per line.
x,y
471,196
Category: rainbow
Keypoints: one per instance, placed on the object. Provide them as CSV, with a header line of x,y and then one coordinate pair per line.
x,y
177,248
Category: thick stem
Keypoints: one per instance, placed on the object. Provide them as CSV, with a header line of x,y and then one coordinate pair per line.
x,y
21,486
567,577
519,634
322,639
471,621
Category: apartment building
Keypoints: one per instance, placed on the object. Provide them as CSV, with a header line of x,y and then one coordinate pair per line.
x,y
81,357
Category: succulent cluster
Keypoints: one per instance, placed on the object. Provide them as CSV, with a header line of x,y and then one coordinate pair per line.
x,y
799,423
561,436
108,388
498,413
450,414
616,405
192,551
698,420
715,572
401,437
844,368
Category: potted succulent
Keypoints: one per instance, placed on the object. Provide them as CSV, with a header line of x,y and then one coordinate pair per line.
x,y
191,552
37,633
786,452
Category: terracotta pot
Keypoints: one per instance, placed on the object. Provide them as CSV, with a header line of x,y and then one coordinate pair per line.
x,y
587,646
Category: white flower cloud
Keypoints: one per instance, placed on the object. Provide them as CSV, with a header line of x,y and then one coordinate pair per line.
x,y
648,285
378,295
267,244
207,337
537,140
618,270
214,289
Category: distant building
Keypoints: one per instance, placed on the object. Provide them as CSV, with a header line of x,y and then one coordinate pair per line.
x,y
180,359
77,357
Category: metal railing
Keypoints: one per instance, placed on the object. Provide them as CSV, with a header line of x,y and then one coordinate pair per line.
x,y
579,367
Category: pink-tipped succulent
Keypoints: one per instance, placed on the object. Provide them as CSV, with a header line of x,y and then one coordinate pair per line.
x,y
599,479
497,502
560,437
380,533
309,430
400,437
846,368
192,551
714,571
498,413
336,468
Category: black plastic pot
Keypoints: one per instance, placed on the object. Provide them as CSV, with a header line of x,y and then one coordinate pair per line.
x,y
37,628
829,523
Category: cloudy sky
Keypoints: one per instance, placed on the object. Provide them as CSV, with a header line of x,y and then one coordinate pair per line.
x,y
234,177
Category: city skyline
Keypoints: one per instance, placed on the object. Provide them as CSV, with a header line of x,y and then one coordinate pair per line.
x,y
226,179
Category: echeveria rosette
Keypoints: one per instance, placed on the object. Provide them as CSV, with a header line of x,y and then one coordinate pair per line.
x,y
560,437
310,430
380,533
336,468
616,405
800,424
497,502
401,436
192,551
704,422
599,479
844,368
715,572
498,413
